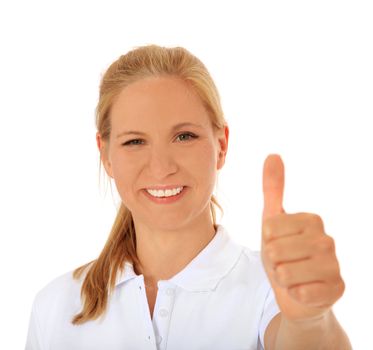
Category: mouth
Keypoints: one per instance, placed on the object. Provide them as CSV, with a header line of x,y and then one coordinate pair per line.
x,y
169,197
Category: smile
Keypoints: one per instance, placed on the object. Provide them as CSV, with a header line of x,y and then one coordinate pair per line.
x,y
165,197
166,193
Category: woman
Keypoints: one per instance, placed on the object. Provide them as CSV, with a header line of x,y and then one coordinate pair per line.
x,y
169,276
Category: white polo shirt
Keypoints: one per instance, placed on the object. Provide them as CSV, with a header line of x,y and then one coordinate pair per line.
x,y
221,300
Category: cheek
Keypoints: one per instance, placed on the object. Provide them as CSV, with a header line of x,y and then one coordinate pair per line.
x,y
124,166
208,157
125,175
206,163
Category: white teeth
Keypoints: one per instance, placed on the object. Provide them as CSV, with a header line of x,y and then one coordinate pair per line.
x,y
167,193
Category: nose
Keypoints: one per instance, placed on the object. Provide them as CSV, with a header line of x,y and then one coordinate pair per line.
x,y
162,162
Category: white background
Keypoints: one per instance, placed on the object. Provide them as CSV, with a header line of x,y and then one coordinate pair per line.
x,y
295,78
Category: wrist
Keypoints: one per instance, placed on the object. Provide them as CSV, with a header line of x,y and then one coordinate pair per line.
x,y
321,333
309,323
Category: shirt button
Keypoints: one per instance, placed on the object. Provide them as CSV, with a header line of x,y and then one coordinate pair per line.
x,y
163,312
170,291
159,339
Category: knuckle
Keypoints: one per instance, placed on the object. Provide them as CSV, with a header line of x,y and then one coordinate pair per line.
x,y
268,229
316,219
272,252
326,244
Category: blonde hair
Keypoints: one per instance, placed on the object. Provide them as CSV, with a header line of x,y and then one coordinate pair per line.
x,y
141,62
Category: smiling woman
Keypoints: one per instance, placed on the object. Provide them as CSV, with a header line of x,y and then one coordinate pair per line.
x,y
168,276
160,159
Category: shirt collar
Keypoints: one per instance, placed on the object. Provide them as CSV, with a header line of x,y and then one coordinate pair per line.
x,y
205,271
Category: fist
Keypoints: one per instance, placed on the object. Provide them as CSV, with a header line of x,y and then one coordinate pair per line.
x,y
298,256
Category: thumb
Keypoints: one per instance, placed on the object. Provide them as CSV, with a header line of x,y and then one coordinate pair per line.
x,y
273,185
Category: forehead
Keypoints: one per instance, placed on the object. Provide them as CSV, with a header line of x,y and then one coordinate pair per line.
x,y
158,100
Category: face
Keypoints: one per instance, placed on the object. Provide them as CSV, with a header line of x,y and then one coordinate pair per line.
x,y
189,156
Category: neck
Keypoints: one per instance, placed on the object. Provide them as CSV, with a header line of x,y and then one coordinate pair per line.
x,y
163,254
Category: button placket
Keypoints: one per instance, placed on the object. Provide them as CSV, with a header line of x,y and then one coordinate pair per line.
x,y
158,339
170,292
162,318
150,337
163,312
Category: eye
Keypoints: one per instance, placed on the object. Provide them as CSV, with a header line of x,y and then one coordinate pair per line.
x,y
131,142
136,143
192,136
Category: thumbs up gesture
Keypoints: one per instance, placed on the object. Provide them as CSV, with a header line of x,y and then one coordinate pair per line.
x,y
298,256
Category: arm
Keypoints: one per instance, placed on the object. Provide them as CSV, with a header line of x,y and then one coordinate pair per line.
x,y
321,334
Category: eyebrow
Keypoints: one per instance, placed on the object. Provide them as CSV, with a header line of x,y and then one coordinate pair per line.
x,y
175,127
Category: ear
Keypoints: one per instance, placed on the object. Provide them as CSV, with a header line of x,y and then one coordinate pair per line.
x,y
223,146
103,149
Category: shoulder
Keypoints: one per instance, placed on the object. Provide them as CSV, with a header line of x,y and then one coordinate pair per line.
x,y
59,284
253,260
60,292
53,307
251,270
245,261
252,255
248,272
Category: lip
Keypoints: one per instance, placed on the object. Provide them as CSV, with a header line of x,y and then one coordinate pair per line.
x,y
164,187
167,200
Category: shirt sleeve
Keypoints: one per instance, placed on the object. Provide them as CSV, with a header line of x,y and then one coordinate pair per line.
x,y
33,341
270,310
